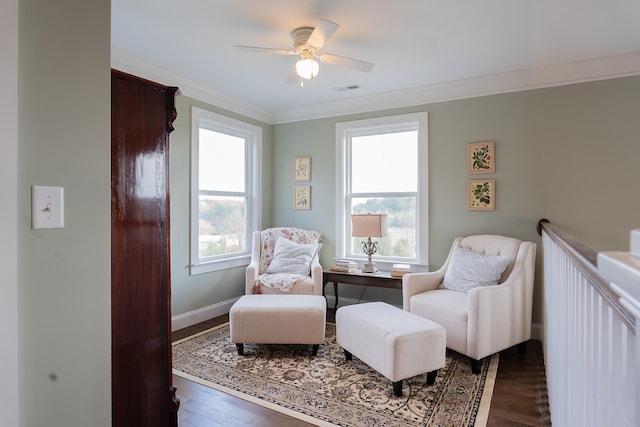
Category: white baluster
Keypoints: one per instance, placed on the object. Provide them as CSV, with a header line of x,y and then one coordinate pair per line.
x,y
622,270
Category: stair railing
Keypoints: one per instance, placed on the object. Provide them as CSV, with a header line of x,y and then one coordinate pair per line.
x,y
589,338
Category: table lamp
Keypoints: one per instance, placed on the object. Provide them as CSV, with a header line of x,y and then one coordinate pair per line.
x,y
369,225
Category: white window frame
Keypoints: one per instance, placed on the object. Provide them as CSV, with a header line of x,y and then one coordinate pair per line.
x,y
253,170
344,132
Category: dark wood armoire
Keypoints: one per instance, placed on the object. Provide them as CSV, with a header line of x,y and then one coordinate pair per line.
x,y
142,113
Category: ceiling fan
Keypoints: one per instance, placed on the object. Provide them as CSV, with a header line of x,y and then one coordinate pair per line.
x,y
307,42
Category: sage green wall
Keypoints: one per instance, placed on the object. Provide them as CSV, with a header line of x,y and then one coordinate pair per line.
x,y
588,138
190,293
9,213
564,153
64,278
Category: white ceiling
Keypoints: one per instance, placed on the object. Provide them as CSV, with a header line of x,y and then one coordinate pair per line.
x,y
423,50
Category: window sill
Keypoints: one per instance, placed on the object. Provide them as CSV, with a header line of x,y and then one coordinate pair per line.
x,y
221,264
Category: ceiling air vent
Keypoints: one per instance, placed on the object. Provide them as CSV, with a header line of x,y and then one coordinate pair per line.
x,y
349,87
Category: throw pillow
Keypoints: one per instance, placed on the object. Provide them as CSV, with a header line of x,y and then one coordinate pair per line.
x,y
468,269
293,258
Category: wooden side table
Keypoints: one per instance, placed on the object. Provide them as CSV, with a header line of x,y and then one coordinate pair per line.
x,y
380,279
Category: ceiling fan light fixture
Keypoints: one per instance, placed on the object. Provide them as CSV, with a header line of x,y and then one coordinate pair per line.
x,y
307,68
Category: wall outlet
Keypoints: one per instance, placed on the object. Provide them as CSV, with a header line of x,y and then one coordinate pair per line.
x,y
47,207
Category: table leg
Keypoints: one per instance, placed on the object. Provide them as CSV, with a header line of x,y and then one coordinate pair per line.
x,y
335,292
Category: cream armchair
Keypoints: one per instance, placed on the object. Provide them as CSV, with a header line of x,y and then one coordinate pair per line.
x,y
301,246
480,319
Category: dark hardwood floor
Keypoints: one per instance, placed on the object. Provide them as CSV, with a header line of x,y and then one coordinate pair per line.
x,y
519,396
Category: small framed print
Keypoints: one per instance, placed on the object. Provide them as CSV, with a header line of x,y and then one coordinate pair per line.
x,y
302,168
302,197
481,195
481,157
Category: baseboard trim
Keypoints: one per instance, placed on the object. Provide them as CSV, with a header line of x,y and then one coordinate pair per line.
x,y
331,300
536,331
190,318
536,328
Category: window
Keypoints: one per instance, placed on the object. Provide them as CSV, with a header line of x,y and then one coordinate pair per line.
x,y
225,196
382,167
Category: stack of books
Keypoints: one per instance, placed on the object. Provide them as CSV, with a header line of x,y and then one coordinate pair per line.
x,y
345,266
399,270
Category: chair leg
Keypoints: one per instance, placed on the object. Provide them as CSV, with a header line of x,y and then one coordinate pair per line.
x,y
431,377
314,351
522,348
348,355
475,366
240,347
397,388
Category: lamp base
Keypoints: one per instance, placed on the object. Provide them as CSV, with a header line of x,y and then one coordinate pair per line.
x,y
369,267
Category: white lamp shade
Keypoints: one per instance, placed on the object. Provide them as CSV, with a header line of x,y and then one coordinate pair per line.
x,y
370,225
307,68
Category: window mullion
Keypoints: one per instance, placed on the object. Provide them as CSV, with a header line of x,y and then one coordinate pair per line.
x,y
385,194
224,193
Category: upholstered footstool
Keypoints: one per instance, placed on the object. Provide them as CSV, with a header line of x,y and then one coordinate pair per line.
x,y
278,319
396,343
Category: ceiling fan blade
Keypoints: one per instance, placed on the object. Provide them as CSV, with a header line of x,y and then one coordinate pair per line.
x,y
323,30
267,50
356,64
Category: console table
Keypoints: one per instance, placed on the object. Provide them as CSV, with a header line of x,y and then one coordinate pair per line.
x,y
380,279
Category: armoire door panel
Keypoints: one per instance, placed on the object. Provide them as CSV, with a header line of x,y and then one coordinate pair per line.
x,y
141,116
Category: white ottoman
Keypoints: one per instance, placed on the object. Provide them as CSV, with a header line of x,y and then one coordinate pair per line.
x,y
396,343
278,319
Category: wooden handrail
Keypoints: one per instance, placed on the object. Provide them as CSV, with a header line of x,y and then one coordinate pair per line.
x,y
585,258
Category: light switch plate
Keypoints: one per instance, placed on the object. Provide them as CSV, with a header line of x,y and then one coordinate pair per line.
x,y
47,207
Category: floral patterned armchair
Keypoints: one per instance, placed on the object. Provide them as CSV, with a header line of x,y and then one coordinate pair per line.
x,y
289,266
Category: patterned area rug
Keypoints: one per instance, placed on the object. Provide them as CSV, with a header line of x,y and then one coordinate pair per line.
x,y
326,390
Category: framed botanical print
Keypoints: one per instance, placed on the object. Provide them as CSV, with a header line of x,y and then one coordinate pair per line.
x,y
302,197
481,157
481,194
302,168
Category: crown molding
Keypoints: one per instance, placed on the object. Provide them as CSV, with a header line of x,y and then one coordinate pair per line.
x,y
616,66
128,63
602,68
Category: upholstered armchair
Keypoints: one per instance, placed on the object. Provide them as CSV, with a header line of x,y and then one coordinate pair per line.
x,y
285,260
482,295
